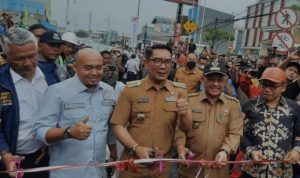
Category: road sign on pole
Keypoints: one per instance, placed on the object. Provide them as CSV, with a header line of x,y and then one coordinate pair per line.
x,y
286,18
284,41
190,26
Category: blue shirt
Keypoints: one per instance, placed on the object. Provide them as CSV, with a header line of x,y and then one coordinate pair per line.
x,y
67,103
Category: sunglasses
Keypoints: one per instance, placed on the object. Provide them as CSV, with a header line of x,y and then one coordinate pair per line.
x,y
271,86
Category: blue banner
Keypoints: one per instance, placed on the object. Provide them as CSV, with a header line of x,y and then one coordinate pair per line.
x,y
33,7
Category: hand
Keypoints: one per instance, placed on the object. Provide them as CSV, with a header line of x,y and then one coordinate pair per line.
x,y
182,104
294,56
10,164
292,157
235,64
221,158
81,131
182,151
144,152
258,156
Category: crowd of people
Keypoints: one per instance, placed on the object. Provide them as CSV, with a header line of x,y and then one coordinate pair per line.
x,y
62,103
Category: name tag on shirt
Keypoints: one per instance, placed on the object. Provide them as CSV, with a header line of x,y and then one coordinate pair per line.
x,y
196,110
5,99
74,105
143,100
171,99
108,102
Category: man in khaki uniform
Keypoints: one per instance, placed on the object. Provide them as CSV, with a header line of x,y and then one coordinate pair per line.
x,y
151,109
217,126
190,74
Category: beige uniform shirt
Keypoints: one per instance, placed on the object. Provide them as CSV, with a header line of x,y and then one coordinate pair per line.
x,y
215,127
191,79
150,115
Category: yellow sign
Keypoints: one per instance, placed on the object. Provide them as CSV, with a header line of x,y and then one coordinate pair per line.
x,y
190,26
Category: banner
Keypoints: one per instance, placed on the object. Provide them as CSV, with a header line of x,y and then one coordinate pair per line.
x,y
134,32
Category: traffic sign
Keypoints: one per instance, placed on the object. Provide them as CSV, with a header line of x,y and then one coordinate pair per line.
x,y
190,26
284,41
286,18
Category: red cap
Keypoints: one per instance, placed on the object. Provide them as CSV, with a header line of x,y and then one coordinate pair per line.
x,y
274,74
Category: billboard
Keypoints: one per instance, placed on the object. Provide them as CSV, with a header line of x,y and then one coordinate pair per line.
x,y
187,2
21,5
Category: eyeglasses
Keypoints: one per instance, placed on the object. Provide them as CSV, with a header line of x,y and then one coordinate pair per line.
x,y
268,85
159,61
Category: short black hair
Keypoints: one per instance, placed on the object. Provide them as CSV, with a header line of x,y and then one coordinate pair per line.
x,y
149,51
105,52
133,56
37,26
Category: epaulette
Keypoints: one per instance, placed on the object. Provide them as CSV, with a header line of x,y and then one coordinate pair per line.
x,y
194,94
133,83
180,85
231,98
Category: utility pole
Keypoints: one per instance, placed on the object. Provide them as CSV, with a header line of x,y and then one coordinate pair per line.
x,y
90,22
145,35
67,15
178,24
108,30
214,35
139,5
202,21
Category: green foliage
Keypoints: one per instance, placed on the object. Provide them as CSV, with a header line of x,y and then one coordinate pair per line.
x,y
82,33
295,7
217,36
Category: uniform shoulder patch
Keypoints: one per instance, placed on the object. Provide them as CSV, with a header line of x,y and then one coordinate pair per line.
x,y
194,94
231,98
180,85
133,83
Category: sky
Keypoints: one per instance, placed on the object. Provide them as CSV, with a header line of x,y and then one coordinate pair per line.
x,y
116,14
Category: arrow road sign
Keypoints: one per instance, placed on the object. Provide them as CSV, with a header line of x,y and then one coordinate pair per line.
x,y
283,41
286,18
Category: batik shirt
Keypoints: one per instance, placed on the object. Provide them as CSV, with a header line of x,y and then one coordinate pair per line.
x,y
271,131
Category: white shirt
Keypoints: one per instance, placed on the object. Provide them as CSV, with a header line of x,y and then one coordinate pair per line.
x,y
29,96
132,65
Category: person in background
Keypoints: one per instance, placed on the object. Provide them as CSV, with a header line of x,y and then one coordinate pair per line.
x,y
37,30
132,67
190,75
50,44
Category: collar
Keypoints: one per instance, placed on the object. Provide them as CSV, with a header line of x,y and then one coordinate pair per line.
x,y
221,98
261,101
188,71
80,87
17,77
148,84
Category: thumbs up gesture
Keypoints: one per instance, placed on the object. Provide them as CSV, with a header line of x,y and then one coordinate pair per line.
x,y
182,104
81,130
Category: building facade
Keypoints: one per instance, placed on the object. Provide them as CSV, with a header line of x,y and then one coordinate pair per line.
x,y
260,26
211,19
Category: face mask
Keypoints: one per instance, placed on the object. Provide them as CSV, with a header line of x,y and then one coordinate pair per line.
x,y
191,64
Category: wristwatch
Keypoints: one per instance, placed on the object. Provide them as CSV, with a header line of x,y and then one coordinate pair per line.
x,y
67,133
132,150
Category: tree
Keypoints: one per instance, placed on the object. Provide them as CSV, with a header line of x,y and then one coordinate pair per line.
x,y
295,7
82,33
215,37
